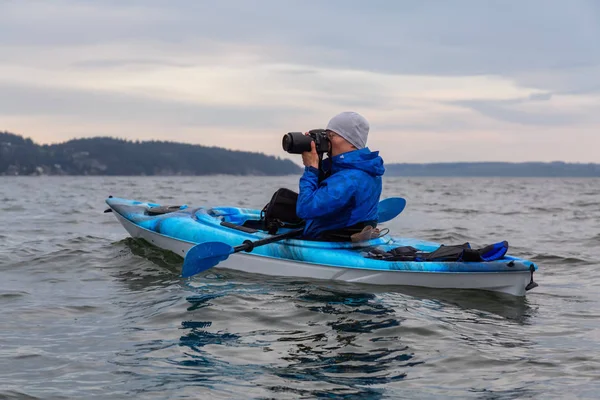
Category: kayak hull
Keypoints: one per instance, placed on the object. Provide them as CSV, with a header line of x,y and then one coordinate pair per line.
x,y
509,282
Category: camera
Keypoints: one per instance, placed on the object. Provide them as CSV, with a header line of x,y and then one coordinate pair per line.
x,y
298,143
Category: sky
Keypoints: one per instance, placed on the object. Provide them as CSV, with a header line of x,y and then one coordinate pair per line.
x,y
438,81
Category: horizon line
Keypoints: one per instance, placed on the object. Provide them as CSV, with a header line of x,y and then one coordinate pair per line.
x,y
286,155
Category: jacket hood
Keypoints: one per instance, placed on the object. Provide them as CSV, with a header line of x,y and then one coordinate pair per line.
x,y
363,159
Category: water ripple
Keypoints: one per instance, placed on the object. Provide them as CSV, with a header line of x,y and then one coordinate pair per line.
x,y
90,313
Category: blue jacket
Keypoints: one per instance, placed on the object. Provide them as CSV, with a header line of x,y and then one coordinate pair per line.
x,y
349,196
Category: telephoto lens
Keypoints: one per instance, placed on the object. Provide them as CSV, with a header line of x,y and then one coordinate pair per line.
x,y
296,142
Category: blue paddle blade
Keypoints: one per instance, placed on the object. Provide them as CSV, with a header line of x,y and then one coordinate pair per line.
x,y
390,208
204,256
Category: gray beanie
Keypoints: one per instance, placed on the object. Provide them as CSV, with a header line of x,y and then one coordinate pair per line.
x,y
351,126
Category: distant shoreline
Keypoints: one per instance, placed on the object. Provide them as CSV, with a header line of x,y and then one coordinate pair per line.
x,y
497,169
104,156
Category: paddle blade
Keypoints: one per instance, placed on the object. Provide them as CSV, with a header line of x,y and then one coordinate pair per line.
x,y
390,208
204,256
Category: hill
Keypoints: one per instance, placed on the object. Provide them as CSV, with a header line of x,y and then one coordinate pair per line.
x,y
109,156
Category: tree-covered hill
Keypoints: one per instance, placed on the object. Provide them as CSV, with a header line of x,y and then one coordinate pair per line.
x,y
109,156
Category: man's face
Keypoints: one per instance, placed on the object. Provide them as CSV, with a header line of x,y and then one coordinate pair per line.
x,y
333,137
335,141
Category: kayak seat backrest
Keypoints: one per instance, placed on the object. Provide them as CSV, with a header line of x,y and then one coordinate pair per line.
x,y
281,211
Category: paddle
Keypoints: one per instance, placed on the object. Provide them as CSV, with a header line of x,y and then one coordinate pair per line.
x,y
390,208
206,255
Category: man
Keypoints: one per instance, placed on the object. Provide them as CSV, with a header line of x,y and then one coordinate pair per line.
x,y
347,198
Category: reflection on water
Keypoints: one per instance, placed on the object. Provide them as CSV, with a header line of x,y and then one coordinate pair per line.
x,y
476,304
351,341
347,346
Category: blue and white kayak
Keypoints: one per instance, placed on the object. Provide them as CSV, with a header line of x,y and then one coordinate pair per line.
x,y
183,227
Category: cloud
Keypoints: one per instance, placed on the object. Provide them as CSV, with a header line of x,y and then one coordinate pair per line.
x,y
503,112
114,107
573,80
538,109
459,38
429,37
540,96
510,110
467,72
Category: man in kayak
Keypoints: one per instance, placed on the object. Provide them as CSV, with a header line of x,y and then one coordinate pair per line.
x,y
345,201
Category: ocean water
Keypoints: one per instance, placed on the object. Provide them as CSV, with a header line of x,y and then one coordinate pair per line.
x,y
87,312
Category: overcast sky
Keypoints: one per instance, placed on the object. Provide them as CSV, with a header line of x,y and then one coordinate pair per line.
x,y
510,80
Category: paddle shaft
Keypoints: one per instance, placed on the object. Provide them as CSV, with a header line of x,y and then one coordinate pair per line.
x,y
249,245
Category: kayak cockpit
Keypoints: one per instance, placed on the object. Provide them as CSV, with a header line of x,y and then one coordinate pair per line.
x,y
251,221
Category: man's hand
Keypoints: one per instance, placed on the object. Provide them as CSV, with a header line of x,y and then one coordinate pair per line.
x,y
311,158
